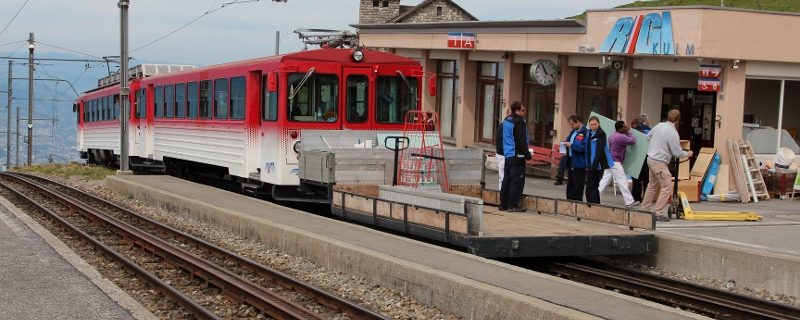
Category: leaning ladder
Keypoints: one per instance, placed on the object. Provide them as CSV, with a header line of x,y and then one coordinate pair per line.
x,y
750,166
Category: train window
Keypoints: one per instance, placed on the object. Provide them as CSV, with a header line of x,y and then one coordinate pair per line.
x,y
313,98
158,102
221,99
180,100
105,112
192,99
115,99
269,108
139,110
237,98
357,95
91,108
205,99
169,101
396,96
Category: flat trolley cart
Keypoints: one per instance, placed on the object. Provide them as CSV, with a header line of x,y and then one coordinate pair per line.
x,y
550,228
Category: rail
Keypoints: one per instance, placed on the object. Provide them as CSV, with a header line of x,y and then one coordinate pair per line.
x,y
245,290
717,303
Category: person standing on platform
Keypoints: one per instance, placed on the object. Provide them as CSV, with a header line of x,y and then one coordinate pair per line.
x,y
640,184
515,149
618,143
498,145
598,159
664,145
576,151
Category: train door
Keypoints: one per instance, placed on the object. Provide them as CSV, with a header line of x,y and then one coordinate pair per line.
x,y
358,98
139,123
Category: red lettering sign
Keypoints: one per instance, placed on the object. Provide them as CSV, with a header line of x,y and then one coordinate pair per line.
x,y
709,85
710,71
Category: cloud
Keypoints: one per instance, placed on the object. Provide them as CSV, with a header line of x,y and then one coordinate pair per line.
x,y
238,31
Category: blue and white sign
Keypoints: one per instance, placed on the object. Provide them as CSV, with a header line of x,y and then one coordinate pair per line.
x,y
647,34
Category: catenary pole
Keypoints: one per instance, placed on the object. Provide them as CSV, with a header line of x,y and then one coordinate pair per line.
x,y
8,125
30,99
16,161
124,90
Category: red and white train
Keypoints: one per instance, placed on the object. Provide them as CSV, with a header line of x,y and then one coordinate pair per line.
x,y
242,120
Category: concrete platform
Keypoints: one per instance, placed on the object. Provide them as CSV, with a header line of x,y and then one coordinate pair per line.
x,y
758,255
41,278
455,282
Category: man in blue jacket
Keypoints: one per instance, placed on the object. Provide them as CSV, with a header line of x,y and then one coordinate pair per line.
x,y
515,150
576,150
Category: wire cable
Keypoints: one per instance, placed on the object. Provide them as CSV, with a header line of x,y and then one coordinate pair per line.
x,y
70,50
191,22
10,43
14,17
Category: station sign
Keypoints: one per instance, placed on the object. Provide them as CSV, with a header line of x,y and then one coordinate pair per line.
x,y
710,78
643,34
461,40
710,71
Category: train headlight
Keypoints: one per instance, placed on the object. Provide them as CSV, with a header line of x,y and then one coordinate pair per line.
x,y
358,55
296,147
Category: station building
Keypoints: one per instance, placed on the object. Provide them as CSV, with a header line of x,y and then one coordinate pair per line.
x,y
728,71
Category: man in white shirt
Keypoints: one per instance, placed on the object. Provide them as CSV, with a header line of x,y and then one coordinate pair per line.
x,y
664,145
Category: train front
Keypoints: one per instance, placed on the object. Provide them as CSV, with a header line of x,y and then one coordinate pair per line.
x,y
327,93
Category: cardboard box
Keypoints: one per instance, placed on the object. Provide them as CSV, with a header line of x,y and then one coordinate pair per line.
x,y
691,188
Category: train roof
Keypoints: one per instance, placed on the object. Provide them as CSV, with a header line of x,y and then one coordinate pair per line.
x,y
317,55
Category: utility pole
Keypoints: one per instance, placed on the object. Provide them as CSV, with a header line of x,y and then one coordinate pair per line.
x,y
277,43
16,162
30,99
124,91
8,125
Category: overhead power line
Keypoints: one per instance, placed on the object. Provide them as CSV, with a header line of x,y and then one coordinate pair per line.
x,y
14,17
195,20
70,50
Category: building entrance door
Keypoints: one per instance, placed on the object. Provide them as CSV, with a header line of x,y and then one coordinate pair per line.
x,y
490,95
540,101
698,110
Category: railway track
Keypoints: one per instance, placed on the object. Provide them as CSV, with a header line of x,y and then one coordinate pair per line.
x,y
712,302
239,279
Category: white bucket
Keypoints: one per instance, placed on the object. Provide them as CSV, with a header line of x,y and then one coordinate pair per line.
x,y
784,158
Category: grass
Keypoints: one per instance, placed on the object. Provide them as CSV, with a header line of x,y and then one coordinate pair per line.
x,y
84,172
767,5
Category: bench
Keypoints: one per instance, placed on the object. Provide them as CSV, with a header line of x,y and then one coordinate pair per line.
x,y
541,156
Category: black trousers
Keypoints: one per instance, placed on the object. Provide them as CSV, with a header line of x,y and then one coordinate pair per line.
x,y
592,183
563,164
575,184
640,185
513,182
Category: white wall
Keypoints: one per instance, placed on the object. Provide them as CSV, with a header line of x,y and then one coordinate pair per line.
x,y
654,83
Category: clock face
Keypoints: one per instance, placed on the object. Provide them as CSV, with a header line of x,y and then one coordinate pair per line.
x,y
545,72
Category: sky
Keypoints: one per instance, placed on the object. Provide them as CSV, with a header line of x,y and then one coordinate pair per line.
x,y
227,33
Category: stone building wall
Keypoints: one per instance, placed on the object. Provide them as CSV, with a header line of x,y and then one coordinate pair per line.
x,y
429,14
369,13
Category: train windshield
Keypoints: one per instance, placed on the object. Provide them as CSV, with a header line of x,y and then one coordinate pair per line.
x,y
313,97
396,96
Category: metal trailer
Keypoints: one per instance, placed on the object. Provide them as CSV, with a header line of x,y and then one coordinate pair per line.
x,y
357,178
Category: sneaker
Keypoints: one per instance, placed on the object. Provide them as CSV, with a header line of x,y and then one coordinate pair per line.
x,y
516,209
558,183
502,208
633,204
661,218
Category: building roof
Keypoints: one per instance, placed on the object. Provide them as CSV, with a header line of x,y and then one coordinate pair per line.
x,y
515,26
417,8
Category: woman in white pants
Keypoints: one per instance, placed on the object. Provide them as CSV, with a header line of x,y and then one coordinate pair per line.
x,y
617,143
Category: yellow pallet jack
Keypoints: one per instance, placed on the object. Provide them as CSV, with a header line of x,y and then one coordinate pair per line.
x,y
688,214
680,206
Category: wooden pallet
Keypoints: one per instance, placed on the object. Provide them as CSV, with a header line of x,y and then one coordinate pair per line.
x,y
735,156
